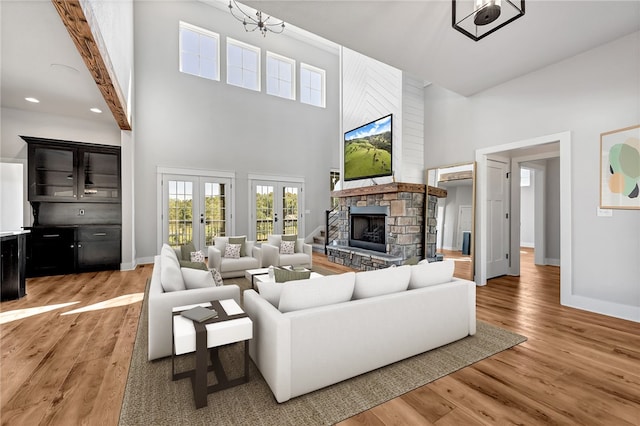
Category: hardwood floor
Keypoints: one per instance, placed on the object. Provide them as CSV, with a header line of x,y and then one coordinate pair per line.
x,y
576,368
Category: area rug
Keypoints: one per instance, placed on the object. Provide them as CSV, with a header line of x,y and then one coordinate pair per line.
x,y
152,398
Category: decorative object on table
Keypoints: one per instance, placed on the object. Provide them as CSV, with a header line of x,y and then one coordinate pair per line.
x,y
478,18
271,272
620,168
199,314
283,275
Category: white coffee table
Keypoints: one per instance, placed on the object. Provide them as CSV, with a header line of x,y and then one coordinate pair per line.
x,y
230,326
267,279
251,274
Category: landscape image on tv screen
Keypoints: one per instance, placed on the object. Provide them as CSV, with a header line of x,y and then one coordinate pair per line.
x,y
367,150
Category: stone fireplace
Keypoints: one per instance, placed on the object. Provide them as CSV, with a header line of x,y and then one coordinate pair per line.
x,y
383,225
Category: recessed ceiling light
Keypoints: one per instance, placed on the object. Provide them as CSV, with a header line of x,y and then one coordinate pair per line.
x,y
34,100
96,110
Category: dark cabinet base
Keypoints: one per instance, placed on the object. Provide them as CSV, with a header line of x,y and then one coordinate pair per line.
x,y
66,250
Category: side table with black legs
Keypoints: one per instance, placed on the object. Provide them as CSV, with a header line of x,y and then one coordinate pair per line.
x,y
231,325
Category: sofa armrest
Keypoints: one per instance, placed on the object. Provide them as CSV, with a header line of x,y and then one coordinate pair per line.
x,y
214,258
270,255
270,347
308,250
160,306
257,253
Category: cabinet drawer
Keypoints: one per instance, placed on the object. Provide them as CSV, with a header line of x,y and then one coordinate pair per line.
x,y
98,234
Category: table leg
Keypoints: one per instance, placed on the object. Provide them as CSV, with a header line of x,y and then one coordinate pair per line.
x,y
200,379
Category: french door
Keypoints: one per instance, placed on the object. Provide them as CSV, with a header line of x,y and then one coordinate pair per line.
x,y
276,207
195,208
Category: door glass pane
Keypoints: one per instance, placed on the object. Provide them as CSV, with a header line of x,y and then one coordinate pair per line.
x,y
215,207
264,212
180,212
289,210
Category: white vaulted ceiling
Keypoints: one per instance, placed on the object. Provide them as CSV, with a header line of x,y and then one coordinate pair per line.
x,y
415,36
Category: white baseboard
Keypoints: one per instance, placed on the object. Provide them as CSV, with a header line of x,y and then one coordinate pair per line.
x,y
128,266
145,260
527,245
551,262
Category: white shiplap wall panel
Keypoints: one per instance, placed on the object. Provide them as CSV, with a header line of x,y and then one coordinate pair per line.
x,y
412,130
370,90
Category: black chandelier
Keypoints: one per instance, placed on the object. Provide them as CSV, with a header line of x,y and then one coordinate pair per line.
x,y
252,23
482,17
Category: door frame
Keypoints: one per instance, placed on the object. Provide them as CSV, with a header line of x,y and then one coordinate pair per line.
x,y
564,138
195,173
276,180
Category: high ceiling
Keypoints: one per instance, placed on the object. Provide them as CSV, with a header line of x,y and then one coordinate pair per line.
x,y
40,60
417,37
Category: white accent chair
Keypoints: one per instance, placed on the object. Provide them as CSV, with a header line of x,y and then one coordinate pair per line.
x,y
271,255
229,267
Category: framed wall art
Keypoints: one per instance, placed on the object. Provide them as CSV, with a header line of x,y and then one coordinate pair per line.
x,y
620,168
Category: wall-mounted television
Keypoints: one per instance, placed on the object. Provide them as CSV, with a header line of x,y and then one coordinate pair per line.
x,y
368,150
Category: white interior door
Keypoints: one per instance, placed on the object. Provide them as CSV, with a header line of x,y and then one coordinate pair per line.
x,y
195,208
277,208
498,219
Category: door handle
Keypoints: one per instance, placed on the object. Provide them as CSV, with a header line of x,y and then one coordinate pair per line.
x,y
100,234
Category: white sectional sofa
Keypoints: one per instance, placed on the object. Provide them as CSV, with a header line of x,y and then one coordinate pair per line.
x,y
310,334
173,286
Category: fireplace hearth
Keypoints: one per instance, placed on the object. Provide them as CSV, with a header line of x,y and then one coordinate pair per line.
x,y
368,227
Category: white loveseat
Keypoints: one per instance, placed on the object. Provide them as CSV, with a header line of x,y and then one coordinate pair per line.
x,y
271,253
230,267
161,302
337,327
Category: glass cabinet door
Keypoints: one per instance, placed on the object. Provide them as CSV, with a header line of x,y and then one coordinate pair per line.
x,y
100,176
53,174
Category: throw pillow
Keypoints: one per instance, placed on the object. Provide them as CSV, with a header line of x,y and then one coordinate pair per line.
x,y
381,281
197,256
241,241
217,278
232,251
170,276
434,273
289,237
193,265
195,278
305,294
187,249
284,275
287,247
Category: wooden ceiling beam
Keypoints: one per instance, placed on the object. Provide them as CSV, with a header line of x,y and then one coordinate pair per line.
x,y
85,33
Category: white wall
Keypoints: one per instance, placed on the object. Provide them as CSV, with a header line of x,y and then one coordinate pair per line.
x,y
184,121
11,195
588,94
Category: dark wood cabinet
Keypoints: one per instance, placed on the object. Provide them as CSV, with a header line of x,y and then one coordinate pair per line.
x,y
50,251
75,192
12,267
98,248
62,171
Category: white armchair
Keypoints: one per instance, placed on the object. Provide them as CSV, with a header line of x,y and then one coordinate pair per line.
x,y
230,267
271,255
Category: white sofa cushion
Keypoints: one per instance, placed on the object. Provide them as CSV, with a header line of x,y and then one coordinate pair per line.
x,y
305,294
274,240
434,273
220,243
381,281
270,291
197,278
170,274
